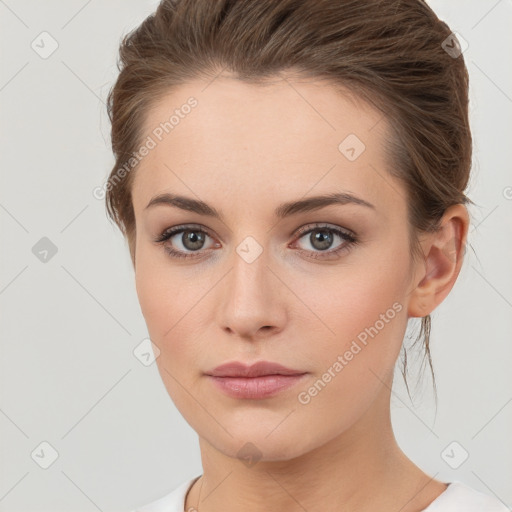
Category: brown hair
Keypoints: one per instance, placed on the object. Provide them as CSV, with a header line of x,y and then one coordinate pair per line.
x,y
389,52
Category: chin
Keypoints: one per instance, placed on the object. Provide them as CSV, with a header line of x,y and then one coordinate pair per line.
x,y
254,443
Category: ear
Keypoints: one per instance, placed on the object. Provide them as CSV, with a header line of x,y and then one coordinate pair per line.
x,y
444,253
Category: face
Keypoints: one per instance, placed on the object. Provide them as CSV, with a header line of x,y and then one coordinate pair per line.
x,y
322,290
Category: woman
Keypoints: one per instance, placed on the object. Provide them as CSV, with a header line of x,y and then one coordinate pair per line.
x,y
290,179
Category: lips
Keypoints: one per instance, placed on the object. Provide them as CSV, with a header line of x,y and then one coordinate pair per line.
x,y
259,369
261,380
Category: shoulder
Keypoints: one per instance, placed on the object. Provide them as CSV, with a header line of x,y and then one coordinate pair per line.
x,y
459,497
172,502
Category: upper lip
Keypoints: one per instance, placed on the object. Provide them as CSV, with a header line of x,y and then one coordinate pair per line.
x,y
237,369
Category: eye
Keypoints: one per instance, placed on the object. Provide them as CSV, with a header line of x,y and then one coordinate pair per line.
x,y
192,239
321,239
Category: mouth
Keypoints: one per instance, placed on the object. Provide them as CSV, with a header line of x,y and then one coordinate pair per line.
x,y
260,380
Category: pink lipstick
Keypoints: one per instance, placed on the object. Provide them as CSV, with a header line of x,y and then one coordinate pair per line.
x,y
260,380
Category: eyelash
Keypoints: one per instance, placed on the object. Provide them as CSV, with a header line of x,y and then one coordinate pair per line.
x,y
349,238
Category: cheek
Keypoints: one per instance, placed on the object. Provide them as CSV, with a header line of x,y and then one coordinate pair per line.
x,y
152,293
353,296
350,366
173,311
158,294
363,320
160,290
167,307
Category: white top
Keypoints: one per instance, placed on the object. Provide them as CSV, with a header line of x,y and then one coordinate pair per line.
x,y
457,497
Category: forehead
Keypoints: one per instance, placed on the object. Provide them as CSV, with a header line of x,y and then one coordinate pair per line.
x,y
283,139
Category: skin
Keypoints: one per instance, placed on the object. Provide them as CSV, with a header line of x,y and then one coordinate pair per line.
x,y
244,150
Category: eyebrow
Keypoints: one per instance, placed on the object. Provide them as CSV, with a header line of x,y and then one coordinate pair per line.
x,y
282,211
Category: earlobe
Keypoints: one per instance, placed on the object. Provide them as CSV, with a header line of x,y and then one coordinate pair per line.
x,y
444,254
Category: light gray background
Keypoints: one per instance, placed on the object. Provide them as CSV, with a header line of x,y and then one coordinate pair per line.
x,y
69,326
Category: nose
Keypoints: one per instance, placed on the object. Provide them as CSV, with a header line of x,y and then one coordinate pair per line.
x,y
251,298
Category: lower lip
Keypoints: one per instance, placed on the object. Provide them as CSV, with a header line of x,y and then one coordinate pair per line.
x,y
256,387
